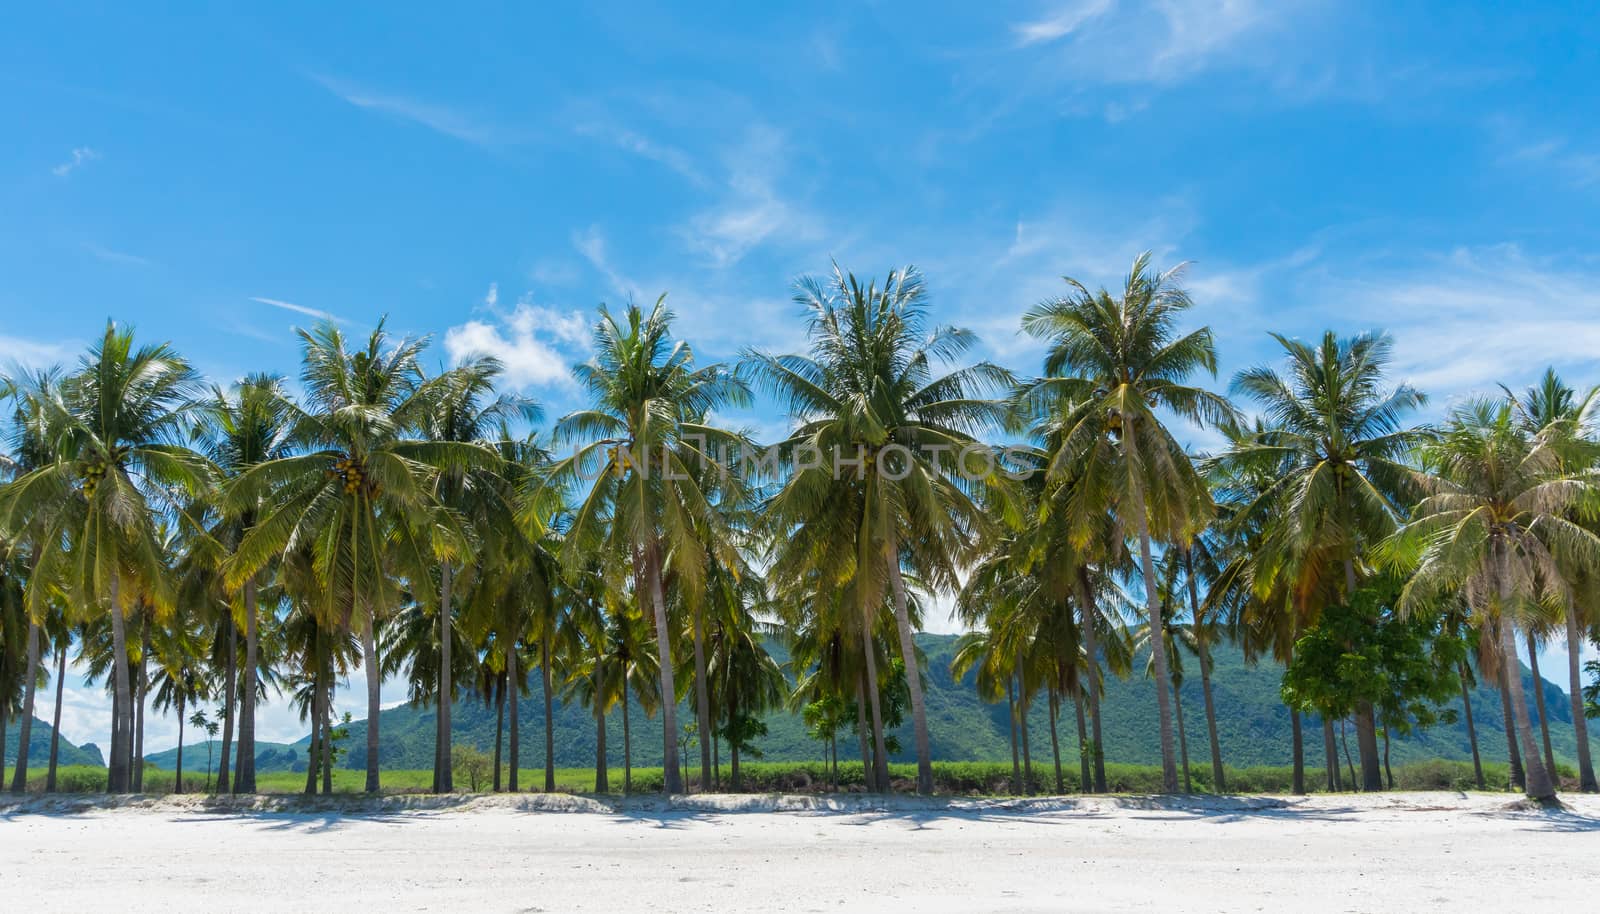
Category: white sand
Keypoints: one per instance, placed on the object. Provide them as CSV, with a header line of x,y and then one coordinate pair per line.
x,y
1395,852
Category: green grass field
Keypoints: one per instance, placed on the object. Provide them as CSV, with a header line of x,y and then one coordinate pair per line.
x,y
956,778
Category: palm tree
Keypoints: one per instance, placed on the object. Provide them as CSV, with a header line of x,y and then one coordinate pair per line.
x,y
465,410
1494,526
249,425
1553,408
360,485
872,389
180,679
1117,359
117,457
642,444
1339,439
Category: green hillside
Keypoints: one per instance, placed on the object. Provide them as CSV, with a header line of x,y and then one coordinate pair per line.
x,y
39,747
1253,726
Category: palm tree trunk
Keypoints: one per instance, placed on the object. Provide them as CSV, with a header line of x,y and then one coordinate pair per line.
x,y
1091,649
1513,754
908,652
177,778
1027,753
1472,728
880,755
143,689
246,781
117,774
513,688
1544,716
313,759
627,744
55,721
1219,779
1586,778
736,783
499,731
1183,739
702,700
446,782
867,771
1158,647
1016,758
1055,741
1219,782
326,756
230,686
19,781
671,780
602,780
1297,750
1085,782
549,714
369,661
1538,785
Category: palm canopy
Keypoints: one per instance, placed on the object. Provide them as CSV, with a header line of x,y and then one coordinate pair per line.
x,y
1115,363
1338,445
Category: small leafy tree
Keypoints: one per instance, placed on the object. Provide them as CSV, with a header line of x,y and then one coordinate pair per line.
x,y
471,763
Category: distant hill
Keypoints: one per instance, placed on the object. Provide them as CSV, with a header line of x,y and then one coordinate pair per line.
x,y
1252,723
39,747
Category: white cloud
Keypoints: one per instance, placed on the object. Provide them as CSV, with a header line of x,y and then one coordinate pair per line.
x,y
1062,22
26,353
536,344
438,118
752,209
111,256
1157,41
299,309
640,145
79,156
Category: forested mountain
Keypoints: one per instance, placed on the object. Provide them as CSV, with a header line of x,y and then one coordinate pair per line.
x,y
1252,722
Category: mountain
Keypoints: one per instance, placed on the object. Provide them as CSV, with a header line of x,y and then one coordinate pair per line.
x,y
1252,723
39,747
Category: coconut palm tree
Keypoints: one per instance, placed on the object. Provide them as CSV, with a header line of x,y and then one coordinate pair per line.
x,y
641,445
1341,442
118,423
1495,527
1554,409
1116,359
243,427
877,387
467,410
360,484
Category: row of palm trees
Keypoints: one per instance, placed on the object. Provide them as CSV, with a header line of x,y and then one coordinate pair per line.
x,y
218,544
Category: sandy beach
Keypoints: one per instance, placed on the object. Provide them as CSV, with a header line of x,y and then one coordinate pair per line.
x,y
1394,852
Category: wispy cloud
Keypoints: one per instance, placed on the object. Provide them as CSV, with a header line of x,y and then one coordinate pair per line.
x,y
300,309
643,146
1062,22
80,156
27,353
535,343
751,209
110,256
1557,155
1156,41
436,117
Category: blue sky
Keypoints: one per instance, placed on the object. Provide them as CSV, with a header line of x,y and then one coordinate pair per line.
x,y
489,176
